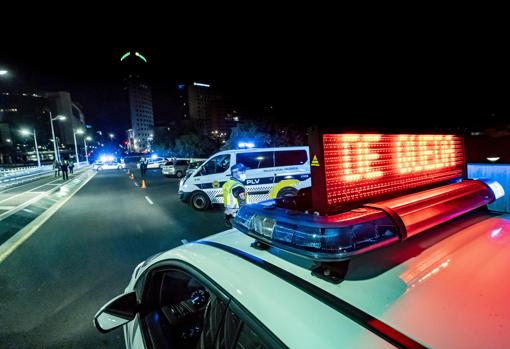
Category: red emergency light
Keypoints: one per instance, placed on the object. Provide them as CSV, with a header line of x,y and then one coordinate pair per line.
x,y
350,169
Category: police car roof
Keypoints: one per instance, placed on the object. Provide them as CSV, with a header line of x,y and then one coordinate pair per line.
x,y
445,288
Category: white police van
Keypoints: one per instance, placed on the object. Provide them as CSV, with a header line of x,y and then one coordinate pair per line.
x,y
272,173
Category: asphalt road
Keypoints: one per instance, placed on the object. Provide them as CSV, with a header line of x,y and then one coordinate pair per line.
x,y
52,285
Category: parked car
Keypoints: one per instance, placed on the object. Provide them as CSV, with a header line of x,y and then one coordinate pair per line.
x,y
176,168
154,163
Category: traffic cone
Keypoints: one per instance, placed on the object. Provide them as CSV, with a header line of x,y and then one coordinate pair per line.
x,y
143,184
132,177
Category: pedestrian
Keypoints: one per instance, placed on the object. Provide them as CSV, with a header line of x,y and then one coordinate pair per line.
x,y
56,168
65,167
143,166
234,192
71,167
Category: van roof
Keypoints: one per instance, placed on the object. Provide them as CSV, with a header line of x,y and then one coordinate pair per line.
x,y
251,150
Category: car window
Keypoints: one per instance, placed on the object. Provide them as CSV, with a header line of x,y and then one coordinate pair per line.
x,y
290,157
182,312
182,163
218,164
248,339
254,160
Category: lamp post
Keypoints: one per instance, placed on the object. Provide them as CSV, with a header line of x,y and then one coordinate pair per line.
x,y
58,117
80,132
85,139
26,133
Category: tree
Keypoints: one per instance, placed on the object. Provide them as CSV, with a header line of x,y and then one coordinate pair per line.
x,y
194,145
265,135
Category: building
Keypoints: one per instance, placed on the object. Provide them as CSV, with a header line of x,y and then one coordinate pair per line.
x,y
224,116
139,95
141,133
29,111
195,101
61,104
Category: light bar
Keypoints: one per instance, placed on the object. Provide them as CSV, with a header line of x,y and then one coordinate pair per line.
x,y
351,168
342,236
201,84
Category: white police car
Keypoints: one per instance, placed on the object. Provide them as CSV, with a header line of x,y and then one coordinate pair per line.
x,y
423,269
107,165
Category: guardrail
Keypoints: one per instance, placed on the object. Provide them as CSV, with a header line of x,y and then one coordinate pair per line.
x,y
8,172
498,172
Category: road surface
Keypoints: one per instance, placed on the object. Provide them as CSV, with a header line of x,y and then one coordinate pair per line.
x,y
52,285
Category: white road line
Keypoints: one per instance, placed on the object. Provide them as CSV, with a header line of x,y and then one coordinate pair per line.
x,y
7,207
21,236
136,184
149,200
22,185
29,191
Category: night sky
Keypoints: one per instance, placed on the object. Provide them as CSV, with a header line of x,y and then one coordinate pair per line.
x,y
308,79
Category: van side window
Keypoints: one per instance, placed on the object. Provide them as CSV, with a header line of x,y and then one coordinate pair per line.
x,y
256,159
290,157
217,164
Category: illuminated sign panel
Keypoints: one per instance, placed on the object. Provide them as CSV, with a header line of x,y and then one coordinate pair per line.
x,y
360,167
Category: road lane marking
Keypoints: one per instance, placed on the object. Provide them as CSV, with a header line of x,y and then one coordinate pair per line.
x,y
30,191
149,200
7,207
21,236
136,184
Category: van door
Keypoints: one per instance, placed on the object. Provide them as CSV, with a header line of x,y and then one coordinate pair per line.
x,y
212,175
260,174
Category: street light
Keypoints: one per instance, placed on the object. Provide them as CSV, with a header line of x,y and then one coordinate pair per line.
x,y
3,72
61,118
80,132
85,139
26,133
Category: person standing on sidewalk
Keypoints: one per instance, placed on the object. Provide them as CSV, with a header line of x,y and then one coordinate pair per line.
x,y
56,168
71,167
65,167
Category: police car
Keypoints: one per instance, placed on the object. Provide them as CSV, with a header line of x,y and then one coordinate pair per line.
x,y
108,165
412,258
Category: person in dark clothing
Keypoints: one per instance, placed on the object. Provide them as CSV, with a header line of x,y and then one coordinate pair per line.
x,y
65,167
71,167
143,167
56,167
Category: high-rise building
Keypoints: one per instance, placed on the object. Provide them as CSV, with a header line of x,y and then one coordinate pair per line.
x,y
195,101
141,132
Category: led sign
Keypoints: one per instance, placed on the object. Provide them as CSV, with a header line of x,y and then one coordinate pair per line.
x,y
354,168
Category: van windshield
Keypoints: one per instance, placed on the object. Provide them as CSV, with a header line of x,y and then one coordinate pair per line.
x,y
217,164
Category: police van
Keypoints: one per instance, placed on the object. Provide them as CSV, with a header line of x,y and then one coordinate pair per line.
x,y
272,173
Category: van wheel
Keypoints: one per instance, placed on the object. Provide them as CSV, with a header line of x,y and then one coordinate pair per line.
x,y
178,174
200,201
287,192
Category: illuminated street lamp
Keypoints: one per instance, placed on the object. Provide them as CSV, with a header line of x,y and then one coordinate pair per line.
x,y
85,139
80,132
61,118
26,133
3,72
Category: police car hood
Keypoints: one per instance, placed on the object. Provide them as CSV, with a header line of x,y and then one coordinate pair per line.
x,y
446,288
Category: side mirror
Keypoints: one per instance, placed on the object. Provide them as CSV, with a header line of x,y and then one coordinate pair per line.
x,y
117,312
